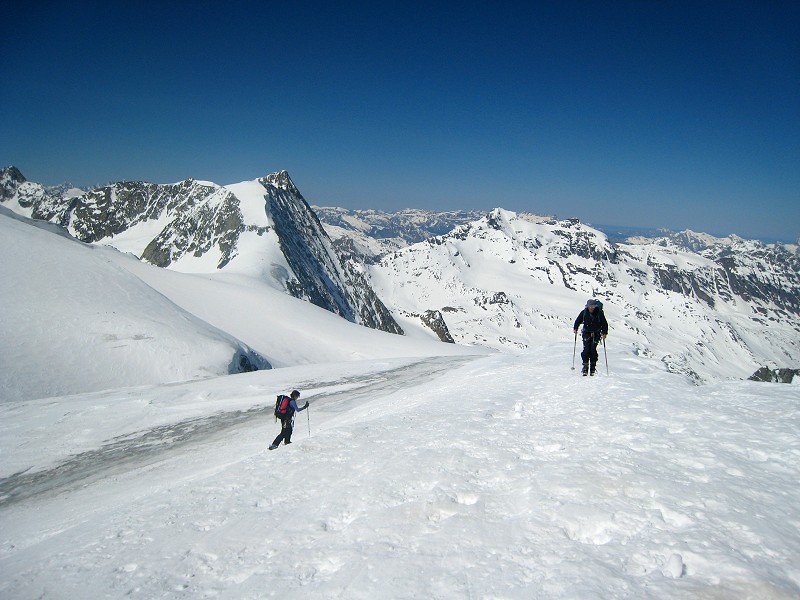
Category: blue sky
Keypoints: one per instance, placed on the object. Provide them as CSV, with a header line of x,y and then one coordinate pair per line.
x,y
651,113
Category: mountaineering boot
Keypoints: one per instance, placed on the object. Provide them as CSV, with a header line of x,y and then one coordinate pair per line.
x,y
593,370
273,446
585,368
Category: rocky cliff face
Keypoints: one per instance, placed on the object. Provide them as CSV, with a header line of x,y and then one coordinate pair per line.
x,y
323,277
186,218
775,375
767,276
31,199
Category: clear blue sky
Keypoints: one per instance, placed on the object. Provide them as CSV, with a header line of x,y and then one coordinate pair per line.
x,y
661,113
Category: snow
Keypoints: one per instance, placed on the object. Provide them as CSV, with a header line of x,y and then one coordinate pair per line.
x,y
135,239
510,282
413,475
73,192
252,202
77,322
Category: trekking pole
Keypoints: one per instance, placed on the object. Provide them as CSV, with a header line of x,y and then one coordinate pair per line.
x,y
308,416
574,345
605,354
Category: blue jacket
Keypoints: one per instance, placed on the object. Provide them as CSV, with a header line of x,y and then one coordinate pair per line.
x,y
291,409
293,406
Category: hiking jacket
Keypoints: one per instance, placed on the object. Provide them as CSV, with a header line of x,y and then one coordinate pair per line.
x,y
592,322
293,408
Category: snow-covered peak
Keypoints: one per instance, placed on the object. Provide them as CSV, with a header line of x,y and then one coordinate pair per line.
x,y
511,283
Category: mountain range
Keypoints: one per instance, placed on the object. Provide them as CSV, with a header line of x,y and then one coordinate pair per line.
x,y
710,308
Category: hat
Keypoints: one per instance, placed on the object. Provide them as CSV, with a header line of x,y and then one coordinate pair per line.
x,y
295,393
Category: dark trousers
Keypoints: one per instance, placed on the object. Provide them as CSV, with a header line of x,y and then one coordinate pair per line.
x,y
285,435
589,354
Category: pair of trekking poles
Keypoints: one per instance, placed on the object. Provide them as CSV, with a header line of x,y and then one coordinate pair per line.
x,y
575,346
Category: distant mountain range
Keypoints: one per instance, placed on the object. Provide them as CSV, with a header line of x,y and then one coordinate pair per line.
x,y
707,307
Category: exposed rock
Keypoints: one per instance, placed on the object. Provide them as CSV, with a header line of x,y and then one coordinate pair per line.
x,y
434,320
775,375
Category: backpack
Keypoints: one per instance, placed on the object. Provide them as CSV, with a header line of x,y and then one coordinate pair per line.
x,y
591,322
282,406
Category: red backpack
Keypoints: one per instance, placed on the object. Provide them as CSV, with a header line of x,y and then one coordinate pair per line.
x,y
282,406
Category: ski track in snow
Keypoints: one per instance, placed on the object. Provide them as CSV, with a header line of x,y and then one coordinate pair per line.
x,y
500,477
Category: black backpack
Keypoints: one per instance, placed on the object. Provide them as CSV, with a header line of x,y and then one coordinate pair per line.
x,y
593,319
282,406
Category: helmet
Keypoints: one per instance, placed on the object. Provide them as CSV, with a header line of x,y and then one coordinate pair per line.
x,y
295,394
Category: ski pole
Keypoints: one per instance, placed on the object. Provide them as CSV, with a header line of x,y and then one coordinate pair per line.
x,y
574,345
605,353
308,416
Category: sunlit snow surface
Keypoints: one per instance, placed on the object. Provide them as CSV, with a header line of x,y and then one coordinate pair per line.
x,y
412,476
507,476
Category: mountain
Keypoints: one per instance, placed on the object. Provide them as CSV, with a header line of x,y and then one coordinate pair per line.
x,y
367,234
708,307
81,318
261,228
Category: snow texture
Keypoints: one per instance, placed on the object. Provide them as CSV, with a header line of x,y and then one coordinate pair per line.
x,y
505,476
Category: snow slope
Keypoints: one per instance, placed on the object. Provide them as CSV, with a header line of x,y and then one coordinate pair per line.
x,y
83,318
505,476
73,320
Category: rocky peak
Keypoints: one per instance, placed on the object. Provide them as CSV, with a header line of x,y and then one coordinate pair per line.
x,y
689,308
10,180
324,278
280,180
10,175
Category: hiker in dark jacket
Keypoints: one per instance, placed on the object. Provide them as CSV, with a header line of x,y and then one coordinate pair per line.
x,y
595,328
287,420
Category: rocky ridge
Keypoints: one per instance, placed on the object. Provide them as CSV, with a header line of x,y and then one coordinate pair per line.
x,y
202,227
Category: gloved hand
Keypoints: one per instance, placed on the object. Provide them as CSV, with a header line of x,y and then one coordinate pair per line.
x,y
306,406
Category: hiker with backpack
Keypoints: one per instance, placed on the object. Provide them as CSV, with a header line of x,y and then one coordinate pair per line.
x,y
595,328
285,407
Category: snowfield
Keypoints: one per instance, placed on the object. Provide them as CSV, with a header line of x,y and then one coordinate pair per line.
x,y
506,476
421,470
